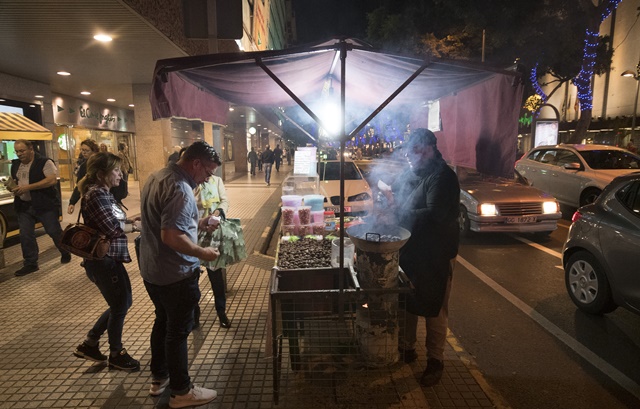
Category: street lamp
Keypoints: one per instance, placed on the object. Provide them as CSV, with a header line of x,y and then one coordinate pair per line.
x,y
636,76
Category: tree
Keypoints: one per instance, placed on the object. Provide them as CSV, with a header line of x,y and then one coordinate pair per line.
x,y
544,37
596,13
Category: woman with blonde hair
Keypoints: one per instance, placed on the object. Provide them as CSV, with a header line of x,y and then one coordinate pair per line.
x,y
101,212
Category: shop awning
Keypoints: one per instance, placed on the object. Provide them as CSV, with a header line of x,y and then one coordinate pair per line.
x,y
15,126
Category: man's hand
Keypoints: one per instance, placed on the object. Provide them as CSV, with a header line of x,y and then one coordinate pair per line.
x,y
203,225
20,190
209,254
70,209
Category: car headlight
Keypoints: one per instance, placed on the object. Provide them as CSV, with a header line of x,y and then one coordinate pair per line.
x,y
487,209
359,197
550,207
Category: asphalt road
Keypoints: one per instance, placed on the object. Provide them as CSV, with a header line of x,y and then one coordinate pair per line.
x,y
509,309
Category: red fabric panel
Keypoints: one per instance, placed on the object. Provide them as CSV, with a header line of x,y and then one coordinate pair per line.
x,y
480,126
179,99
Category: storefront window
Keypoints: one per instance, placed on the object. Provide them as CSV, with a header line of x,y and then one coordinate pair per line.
x,y
69,140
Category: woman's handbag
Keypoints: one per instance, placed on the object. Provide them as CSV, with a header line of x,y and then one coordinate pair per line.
x,y
84,241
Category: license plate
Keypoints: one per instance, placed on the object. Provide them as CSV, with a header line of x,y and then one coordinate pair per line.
x,y
336,209
523,219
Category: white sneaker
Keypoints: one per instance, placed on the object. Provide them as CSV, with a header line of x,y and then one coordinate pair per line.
x,y
158,386
195,397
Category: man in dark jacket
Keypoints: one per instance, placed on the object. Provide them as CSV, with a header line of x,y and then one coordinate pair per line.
x,y
277,155
267,159
427,200
36,199
252,158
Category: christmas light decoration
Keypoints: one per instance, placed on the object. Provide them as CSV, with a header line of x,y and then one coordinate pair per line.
x,y
583,80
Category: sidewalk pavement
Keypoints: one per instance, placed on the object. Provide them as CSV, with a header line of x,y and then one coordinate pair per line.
x,y
46,314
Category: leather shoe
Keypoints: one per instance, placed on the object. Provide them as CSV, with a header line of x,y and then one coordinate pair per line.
x,y
224,321
26,270
66,258
408,355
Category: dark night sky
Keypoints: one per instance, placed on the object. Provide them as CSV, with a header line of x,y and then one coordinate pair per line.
x,y
319,20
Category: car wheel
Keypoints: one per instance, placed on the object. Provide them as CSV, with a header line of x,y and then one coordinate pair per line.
x,y
587,284
463,221
589,196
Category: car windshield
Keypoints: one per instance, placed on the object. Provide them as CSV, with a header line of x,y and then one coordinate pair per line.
x,y
331,171
611,159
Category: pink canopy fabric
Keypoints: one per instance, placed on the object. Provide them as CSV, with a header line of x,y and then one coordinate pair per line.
x,y
479,106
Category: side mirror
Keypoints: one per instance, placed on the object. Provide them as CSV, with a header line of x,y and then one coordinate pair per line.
x,y
572,166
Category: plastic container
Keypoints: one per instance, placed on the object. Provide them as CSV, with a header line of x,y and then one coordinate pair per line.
x,y
318,228
317,217
305,229
288,215
349,251
287,190
288,230
304,214
315,201
292,200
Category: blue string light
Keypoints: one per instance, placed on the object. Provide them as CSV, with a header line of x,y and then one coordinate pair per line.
x,y
583,80
536,87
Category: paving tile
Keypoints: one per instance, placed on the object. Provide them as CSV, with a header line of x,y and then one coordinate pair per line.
x,y
45,315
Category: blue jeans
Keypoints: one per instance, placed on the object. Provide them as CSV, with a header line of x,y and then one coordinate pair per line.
x,y
112,280
27,222
267,172
174,304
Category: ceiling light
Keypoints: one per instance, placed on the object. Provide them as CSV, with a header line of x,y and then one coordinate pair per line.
x,y
111,100
85,93
39,96
103,38
63,73
231,109
131,105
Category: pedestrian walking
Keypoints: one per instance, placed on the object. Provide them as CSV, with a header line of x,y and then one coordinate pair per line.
x,y
267,159
101,212
87,148
33,180
277,156
252,158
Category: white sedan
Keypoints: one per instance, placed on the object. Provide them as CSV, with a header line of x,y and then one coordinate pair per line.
x,y
358,199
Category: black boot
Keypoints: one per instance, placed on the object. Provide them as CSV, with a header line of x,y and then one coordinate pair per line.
x,y
431,376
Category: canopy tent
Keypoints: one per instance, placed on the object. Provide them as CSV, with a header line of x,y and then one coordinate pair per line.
x,y
15,126
479,106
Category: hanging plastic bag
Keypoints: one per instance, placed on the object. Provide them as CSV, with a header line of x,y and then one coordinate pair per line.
x,y
229,240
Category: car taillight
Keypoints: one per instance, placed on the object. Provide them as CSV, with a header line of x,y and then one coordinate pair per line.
x,y
576,216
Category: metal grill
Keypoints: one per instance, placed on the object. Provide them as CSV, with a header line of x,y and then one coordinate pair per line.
x,y
317,347
519,209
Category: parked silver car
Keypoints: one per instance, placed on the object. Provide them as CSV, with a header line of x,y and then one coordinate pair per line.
x,y
575,174
601,256
494,204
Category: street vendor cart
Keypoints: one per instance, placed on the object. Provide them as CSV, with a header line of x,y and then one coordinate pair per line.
x,y
336,319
